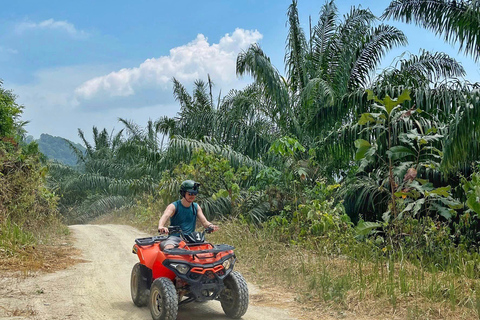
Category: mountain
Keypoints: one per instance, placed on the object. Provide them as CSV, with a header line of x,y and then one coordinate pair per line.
x,y
57,148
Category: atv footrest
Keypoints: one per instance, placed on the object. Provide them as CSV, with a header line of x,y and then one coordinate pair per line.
x,y
148,241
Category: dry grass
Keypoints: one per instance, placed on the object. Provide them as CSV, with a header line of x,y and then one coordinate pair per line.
x,y
27,312
58,254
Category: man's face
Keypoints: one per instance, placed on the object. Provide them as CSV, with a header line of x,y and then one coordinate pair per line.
x,y
190,197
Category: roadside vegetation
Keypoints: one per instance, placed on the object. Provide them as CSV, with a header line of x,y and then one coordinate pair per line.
x,y
28,209
358,193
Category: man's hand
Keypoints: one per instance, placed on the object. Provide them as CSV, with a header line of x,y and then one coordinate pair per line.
x,y
212,227
163,230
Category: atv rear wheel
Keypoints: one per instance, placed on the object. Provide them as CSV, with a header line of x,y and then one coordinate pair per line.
x,y
163,300
139,285
234,298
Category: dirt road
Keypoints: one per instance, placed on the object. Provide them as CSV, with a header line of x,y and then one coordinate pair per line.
x,y
99,287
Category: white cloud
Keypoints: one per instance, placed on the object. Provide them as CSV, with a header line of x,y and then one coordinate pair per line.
x,y
60,100
186,63
51,24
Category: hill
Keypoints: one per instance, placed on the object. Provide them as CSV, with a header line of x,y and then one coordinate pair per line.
x,y
57,148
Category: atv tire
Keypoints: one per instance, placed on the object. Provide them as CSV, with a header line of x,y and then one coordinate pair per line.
x,y
234,298
139,285
163,300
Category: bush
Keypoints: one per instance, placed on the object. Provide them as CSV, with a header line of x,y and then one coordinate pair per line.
x,y
26,206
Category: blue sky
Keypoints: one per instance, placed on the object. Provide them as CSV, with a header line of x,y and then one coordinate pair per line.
x,y
79,64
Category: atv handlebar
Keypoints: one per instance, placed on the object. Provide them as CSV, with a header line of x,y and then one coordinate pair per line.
x,y
177,229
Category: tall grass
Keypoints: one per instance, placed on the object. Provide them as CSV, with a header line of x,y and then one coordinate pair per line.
x,y
13,238
360,279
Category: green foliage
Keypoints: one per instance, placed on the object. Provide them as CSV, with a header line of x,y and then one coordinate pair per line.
x,y
27,207
13,238
286,147
222,186
472,191
24,198
398,148
110,174
318,217
10,113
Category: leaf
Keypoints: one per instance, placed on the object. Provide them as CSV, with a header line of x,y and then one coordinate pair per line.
x,y
362,148
442,191
422,181
399,152
366,118
365,228
418,205
422,188
406,210
361,152
362,143
444,212
452,203
473,203
404,96
390,103
372,96
386,216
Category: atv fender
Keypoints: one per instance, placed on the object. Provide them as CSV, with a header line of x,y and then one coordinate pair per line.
x,y
150,256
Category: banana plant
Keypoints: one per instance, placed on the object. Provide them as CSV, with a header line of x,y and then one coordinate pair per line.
x,y
400,142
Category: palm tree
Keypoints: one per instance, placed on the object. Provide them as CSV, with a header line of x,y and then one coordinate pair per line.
x,y
320,72
456,21
238,120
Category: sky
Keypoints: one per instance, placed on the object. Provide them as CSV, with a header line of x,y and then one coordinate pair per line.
x,y
79,64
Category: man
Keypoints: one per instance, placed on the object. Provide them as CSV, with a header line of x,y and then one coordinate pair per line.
x,y
183,213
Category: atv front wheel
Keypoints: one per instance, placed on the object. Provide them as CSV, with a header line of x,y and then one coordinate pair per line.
x,y
139,285
163,300
234,298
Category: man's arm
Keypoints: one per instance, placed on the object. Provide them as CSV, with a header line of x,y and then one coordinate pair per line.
x,y
205,223
167,214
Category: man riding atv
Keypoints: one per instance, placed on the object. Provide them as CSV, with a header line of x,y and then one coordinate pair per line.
x,y
182,267
183,213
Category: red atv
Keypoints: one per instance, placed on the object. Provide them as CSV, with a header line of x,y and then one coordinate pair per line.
x,y
195,271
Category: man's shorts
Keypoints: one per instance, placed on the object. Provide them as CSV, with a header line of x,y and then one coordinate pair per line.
x,y
173,240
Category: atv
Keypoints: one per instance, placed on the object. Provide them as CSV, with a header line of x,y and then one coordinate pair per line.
x,y
194,271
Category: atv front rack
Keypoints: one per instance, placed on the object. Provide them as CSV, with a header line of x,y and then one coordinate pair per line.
x,y
194,253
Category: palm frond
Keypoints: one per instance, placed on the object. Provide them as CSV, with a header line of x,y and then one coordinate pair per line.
x,y
256,63
421,70
295,50
456,21
181,95
376,43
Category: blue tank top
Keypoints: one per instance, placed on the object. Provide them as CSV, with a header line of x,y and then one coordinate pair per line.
x,y
185,217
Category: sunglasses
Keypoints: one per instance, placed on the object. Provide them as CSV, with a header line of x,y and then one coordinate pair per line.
x,y
191,194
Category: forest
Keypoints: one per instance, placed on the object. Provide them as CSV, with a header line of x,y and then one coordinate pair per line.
x,y
379,170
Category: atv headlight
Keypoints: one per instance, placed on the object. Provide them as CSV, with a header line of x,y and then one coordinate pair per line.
x,y
228,263
182,268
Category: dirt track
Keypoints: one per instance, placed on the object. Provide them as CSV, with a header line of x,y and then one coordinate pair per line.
x,y
99,287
